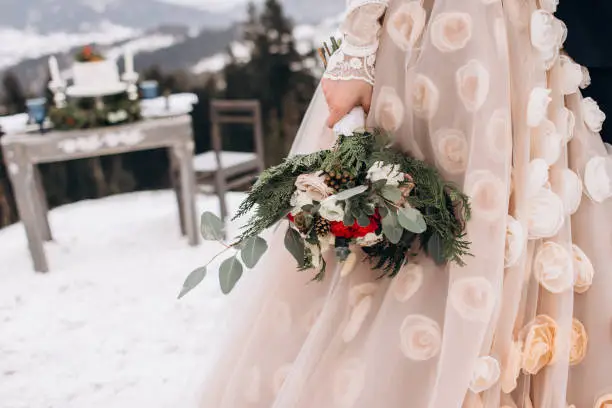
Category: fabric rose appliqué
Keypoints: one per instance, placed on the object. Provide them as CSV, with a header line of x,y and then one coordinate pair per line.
x,y
547,35
583,270
451,150
567,123
473,81
408,282
486,374
512,368
360,301
546,143
389,109
539,99
553,267
598,178
572,191
425,97
579,342
571,75
592,115
515,242
546,214
539,339
499,136
605,401
421,337
348,383
472,298
406,24
487,194
451,31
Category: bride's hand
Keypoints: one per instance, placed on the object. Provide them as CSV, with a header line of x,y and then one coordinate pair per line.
x,y
342,96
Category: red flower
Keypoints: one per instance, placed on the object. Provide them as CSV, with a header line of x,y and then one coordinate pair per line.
x,y
87,51
291,217
339,229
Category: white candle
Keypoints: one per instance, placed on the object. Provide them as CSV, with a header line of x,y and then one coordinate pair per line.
x,y
129,61
54,70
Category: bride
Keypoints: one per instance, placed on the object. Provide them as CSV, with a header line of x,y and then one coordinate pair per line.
x,y
482,90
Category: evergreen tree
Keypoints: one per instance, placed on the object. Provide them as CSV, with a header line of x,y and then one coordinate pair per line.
x,y
14,98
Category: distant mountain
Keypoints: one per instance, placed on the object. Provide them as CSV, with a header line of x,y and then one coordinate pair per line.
x,y
45,16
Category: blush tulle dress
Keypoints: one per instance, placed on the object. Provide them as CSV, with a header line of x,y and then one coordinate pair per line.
x,y
482,90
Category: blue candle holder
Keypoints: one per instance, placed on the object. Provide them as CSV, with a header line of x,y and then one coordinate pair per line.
x,y
37,110
150,89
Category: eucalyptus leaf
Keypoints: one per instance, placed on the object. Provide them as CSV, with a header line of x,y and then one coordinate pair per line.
x,y
230,273
435,249
351,192
348,220
391,193
192,281
391,228
363,220
212,227
253,250
383,211
378,185
295,246
412,220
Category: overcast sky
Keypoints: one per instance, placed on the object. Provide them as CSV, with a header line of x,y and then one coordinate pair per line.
x,y
213,4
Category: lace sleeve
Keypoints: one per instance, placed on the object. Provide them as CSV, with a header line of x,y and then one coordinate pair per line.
x,y
356,57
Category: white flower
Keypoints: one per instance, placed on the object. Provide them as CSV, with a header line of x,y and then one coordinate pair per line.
x,y
549,5
586,78
406,24
546,32
388,172
486,374
572,191
515,242
592,115
499,136
369,239
425,97
487,194
537,106
298,200
537,176
331,210
313,185
420,337
567,123
472,82
348,383
546,214
451,31
553,268
472,298
583,270
389,109
451,150
571,75
598,178
407,282
546,143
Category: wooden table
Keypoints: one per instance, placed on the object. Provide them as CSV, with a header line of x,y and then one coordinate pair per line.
x,y
22,152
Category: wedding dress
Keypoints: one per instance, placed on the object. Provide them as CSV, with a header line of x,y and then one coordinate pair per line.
x,y
482,90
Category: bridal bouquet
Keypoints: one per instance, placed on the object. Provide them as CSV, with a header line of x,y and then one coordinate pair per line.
x,y
361,195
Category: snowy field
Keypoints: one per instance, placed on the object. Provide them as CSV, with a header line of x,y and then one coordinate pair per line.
x,y
103,329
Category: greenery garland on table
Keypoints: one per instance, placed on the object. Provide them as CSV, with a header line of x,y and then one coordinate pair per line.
x,y
84,114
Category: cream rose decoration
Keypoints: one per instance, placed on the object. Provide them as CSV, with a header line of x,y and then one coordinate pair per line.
x,y
515,242
472,82
358,315
407,282
473,298
605,401
571,75
567,123
546,143
499,136
583,270
537,176
592,115
572,191
512,368
579,342
539,99
389,109
389,172
487,194
314,186
546,214
298,200
451,150
425,97
486,374
549,5
547,35
406,24
586,78
598,178
539,338
349,380
331,210
553,267
451,31
420,337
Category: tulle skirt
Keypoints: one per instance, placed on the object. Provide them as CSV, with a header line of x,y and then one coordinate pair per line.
x,y
526,322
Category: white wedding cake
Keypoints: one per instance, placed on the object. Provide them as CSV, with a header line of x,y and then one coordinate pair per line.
x,y
96,78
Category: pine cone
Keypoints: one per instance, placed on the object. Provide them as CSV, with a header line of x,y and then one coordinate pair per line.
x,y
321,226
339,180
303,222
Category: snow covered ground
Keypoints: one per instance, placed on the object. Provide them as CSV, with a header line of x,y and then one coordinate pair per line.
x,y
104,329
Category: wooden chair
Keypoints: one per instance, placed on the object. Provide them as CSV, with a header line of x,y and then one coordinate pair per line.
x,y
229,169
